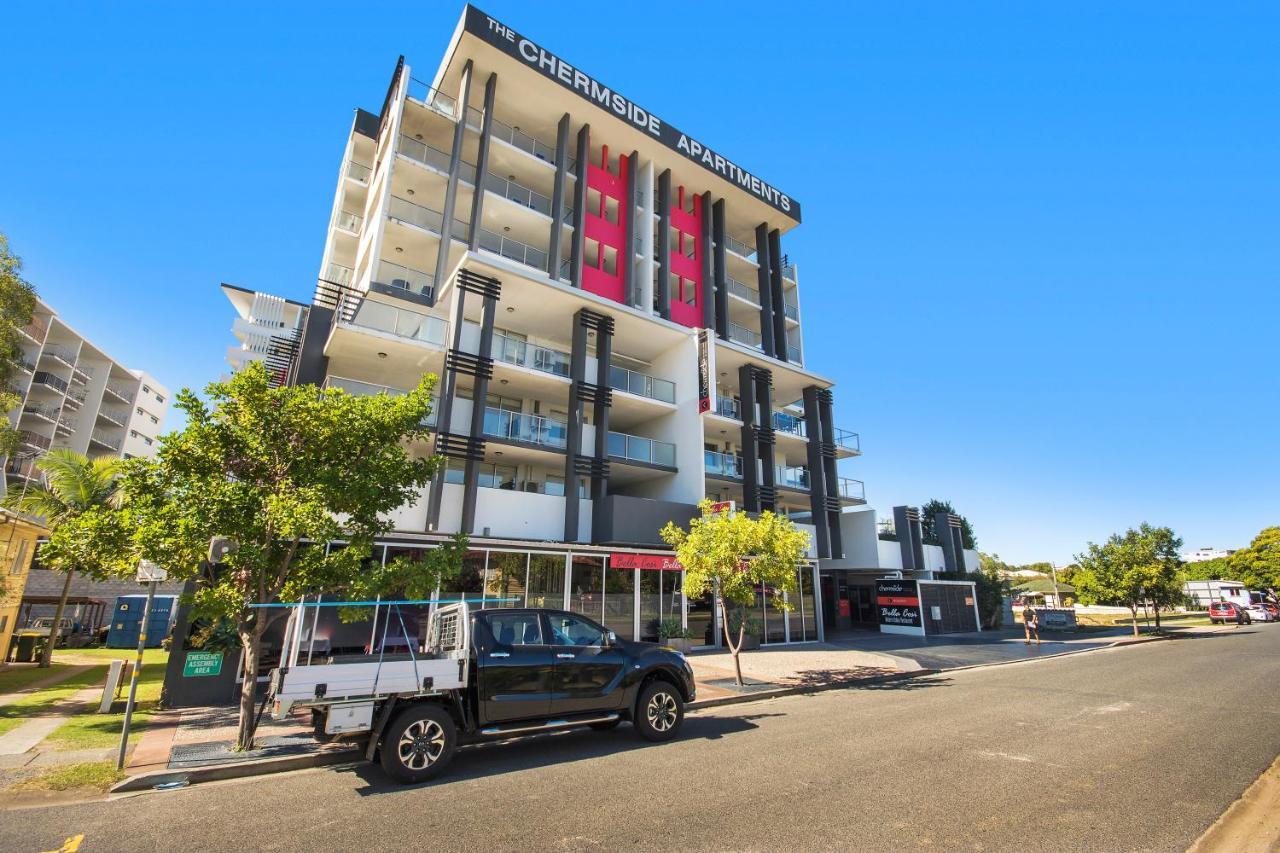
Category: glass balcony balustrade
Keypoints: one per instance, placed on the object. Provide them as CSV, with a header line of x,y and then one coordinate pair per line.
x,y
512,250
401,322
792,477
358,172
428,155
743,335
532,429
348,220
637,449
641,384
517,193
739,248
405,278
722,464
744,291
424,217
533,356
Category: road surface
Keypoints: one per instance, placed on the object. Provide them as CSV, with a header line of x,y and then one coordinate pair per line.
x,y
1124,749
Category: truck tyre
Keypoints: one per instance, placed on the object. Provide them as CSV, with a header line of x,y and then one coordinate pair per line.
x,y
659,711
419,743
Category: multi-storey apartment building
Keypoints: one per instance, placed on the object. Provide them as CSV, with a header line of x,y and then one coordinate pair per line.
x,y
77,396
612,315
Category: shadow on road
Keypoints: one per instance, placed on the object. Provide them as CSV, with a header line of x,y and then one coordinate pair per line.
x,y
920,683
830,675
477,761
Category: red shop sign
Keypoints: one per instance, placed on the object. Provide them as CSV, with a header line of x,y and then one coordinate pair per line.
x,y
645,562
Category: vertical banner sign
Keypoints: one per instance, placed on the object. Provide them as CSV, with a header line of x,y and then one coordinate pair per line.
x,y
704,372
898,602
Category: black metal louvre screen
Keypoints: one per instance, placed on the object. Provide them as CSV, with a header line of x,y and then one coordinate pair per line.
x,y
955,607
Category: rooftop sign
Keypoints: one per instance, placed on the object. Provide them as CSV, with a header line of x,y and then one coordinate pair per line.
x,y
549,65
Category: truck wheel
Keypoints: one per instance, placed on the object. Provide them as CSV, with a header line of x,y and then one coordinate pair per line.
x,y
418,744
659,711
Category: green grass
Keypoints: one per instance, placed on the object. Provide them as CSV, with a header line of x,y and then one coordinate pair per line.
x,y
39,702
97,775
93,730
149,656
20,679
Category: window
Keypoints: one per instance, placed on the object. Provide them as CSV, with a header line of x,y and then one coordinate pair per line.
x,y
154,419
569,630
19,558
146,441
146,389
140,411
160,399
514,629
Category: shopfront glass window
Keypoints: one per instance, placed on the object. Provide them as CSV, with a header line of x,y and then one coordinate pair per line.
x,y
701,619
546,581
659,601
505,579
620,602
586,586
469,583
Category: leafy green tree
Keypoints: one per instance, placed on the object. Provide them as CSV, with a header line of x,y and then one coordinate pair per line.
x,y
1130,569
734,556
74,492
17,301
274,470
930,536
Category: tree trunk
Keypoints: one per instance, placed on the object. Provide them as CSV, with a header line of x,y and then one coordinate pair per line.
x,y
1133,608
251,640
46,659
1155,606
728,641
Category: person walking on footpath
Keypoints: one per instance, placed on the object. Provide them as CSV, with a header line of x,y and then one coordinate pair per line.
x,y
1031,623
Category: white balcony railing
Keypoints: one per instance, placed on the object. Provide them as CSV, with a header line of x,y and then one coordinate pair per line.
x,y
104,439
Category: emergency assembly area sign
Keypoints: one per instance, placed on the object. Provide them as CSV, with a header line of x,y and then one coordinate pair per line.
x,y
202,663
546,63
898,602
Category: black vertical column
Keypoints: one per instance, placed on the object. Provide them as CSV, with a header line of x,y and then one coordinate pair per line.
x,y
455,169
579,244
583,391
947,528
662,289
817,481
708,286
828,473
469,447
722,284
767,339
906,525
775,295
627,219
603,400
482,162
557,197
750,456
573,446
764,434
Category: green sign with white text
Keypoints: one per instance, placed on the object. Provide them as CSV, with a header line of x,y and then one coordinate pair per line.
x,y
202,663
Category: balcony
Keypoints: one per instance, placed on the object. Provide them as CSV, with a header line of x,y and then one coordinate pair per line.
x,y
81,373
792,311
633,448
641,384
425,218
727,407
789,271
848,439
793,354
62,354
791,477
47,413
533,356
357,172
338,274
65,426
25,366
34,440
722,464
743,291
743,335
517,193
434,158
433,99
119,417
36,330
22,469
740,248
120,392
401,322
348,221
530,429
48,380
104,440
357,388
790,423
513,250
516,138
405,278
852,490
76,397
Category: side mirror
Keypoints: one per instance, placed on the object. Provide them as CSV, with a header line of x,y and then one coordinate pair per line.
x,y
610,638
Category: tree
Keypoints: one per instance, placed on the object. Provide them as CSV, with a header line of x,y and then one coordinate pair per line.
x,y
1131,569
74,486
276,470
17,301
930,536
735,556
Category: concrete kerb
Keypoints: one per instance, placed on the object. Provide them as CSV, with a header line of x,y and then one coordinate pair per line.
x,y
285,764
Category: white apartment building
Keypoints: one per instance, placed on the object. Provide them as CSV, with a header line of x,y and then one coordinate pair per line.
x,y
614,322
1201,555
75,395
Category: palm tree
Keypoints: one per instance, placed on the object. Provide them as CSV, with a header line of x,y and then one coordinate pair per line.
x,y
72,485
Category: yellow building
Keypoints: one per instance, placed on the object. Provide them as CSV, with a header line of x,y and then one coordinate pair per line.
x,y
18,535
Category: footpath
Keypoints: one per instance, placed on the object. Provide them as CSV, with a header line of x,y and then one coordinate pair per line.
x,y
194,745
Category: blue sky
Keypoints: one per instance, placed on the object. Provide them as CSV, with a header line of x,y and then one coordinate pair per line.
x,y
1039,255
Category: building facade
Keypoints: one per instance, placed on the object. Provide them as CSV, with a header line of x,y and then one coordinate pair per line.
x,y
75,395
613,318
18,536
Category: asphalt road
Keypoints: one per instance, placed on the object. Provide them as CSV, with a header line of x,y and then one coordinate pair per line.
x,y
1124,749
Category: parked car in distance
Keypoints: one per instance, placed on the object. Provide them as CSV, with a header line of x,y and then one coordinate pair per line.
x,y
1261,612
1222,612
